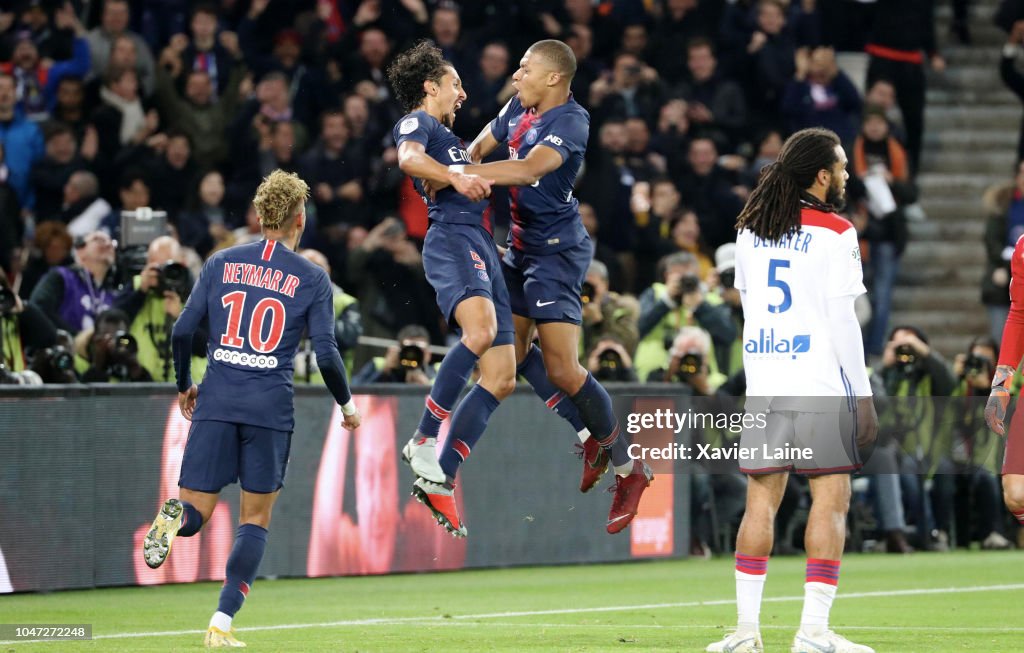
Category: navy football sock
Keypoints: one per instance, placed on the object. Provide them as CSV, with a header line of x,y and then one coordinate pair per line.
x,y
468,424
243,562
452,376
191,522
595,408
532,369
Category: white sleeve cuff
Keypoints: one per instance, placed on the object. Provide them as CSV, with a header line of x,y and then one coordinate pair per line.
x,y
349,408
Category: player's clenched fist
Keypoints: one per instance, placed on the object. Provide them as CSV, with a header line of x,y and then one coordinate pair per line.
x,y
999,399
474,187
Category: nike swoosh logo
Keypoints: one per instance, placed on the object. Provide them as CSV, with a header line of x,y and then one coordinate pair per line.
x,y
619,518
831,647
736,646
541,304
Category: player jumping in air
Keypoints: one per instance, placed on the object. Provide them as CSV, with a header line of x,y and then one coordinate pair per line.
x,y
546,262
1010,353
798,271
260,299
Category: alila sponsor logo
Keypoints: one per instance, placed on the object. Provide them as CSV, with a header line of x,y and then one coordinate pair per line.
x,y
769,345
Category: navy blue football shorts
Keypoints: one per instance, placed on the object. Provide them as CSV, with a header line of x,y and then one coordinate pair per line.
x,y
546,288
461,261
220,453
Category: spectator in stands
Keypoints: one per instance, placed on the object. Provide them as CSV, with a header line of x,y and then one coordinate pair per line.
x,y
69,108
335,176
123,54
602,252
708,189
821,95
73,296
645,163
684,236
653,229
902,35
581,39
112,352
966,463
12,224
408,361
257,117
678,299
37,82
154,305
672,136
134,193
170,163
1012,77
765,61
371,59
205,52
22,142
198,113
83,210
715,104
114,23
608,360
769,144
602,26
348,322
607,313
488,88
631,91
203,225
51,247
121,121
882,93
1004,203
24,328
881,163
912,368
681,22
51,173
446,31
386,271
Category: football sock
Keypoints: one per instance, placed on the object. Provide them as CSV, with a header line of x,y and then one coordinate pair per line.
x,y
250,542
468,424
452,376
751,572
221,621
191,522
532,369
819,592
595,407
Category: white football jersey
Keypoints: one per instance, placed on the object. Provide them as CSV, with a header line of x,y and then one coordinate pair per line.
x,y
788,349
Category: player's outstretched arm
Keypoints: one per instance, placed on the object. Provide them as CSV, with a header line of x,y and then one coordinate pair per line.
x,y
181,342
482,145
320,320
415,162
523,172
849,348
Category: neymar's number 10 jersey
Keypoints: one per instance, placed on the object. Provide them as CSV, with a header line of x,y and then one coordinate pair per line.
x,y
788,347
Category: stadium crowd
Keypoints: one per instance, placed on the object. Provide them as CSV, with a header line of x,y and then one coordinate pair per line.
x,y
112,106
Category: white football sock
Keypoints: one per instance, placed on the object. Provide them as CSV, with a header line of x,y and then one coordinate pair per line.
x,y
818,599
749,588
221,621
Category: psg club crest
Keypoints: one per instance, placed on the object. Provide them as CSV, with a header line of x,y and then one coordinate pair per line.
x,y
483,275
531,136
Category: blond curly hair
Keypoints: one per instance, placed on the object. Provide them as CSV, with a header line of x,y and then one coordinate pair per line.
x,y
279,198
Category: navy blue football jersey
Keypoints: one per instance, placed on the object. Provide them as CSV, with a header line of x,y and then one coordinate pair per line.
x,y
260,298
448,149
545,216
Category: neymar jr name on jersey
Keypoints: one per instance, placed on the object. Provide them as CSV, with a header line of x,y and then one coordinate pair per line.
x,y
258,276
798,242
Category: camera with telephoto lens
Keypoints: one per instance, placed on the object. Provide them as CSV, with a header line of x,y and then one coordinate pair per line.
x,y
975,365
728,278
174,277
906,356
7,301
587,292
410,357
54,365
26,377
123,350
690,365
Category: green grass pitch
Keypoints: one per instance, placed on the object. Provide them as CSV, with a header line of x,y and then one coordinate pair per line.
x,y
905,604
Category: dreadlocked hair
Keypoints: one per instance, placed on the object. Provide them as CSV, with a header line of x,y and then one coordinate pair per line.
x,y
773,209
422,62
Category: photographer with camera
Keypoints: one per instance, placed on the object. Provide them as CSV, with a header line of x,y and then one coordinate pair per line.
x,y
72,296
610,361
679,300
154,305
966,460
605,313
690,363
23,328
112,352
406,362
911,368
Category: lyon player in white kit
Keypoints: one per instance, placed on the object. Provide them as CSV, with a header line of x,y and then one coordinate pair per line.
x,y
798,271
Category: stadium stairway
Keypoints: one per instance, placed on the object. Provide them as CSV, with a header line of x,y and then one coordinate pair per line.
x,y
971,127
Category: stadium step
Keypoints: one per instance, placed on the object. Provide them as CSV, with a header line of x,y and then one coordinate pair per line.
x,y
995,161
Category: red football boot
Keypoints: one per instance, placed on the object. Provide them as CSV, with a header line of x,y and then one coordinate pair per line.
x,y
628,490
440,498
595,463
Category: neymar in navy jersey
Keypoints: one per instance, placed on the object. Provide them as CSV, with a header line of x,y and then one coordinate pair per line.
x,y
548,253
260,299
